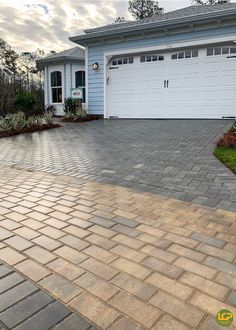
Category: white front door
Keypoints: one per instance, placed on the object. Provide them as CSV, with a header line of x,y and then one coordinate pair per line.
x,y
184,84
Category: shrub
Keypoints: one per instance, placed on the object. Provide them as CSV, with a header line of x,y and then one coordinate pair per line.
x,y
19,121
48,118
50,108
26,101
73,109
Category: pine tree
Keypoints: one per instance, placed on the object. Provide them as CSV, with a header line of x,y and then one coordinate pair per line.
x,y
144,8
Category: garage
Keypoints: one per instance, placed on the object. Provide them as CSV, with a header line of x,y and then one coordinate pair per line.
x,y
190,83
181,64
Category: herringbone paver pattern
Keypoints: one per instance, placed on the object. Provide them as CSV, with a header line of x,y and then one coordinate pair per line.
x,y
121,259
168,157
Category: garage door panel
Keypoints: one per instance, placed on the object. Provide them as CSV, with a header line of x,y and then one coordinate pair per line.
x,y
199,87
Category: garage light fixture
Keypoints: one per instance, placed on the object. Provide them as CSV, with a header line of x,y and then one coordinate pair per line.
x,y
95,66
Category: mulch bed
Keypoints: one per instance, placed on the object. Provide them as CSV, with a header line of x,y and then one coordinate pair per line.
x,y
228,140
82,120
33,128
70,120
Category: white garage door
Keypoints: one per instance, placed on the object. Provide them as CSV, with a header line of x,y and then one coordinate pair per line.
x,y
197,83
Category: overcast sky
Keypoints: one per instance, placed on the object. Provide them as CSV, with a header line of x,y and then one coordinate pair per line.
x,y
46,24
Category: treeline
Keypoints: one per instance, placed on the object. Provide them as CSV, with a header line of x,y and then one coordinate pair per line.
x,y
18,73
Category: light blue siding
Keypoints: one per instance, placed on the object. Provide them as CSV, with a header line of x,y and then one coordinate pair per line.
x,y
96,54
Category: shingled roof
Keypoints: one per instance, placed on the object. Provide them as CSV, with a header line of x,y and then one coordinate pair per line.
x,y
75,53
183,12
191,14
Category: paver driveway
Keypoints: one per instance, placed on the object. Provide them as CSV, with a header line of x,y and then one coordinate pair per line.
x,y
121,259
168,157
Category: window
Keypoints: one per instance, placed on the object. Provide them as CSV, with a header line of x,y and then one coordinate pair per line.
x,y
217,51
80,82
151,58
221,51
186,54
125,60
225,50
181,55
142,58
56,86
210,51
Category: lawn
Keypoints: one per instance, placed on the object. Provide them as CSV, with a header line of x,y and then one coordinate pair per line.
x,y
227,155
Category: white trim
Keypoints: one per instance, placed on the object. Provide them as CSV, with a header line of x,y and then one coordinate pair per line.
x,y
86,77
105,85
166,47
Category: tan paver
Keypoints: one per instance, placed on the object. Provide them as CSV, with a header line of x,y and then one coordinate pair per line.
x,y
10,256
75,238
60,288
134,286
96,286
186,313
32,270
93,309
141,312
71,254
65,269
171,286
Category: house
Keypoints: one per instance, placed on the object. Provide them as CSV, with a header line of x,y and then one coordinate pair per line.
x,y
181,64
64,75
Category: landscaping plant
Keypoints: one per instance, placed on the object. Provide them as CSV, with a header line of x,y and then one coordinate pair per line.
x,y
226,149
73,109
21,123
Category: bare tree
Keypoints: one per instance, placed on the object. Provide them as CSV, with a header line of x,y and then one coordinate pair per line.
x,y
210,2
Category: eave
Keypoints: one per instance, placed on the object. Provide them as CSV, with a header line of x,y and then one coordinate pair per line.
x,y
138,31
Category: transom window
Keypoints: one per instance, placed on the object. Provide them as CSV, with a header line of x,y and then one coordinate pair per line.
x,y
185,54
80,82
151,58
121,61
56,86
220,51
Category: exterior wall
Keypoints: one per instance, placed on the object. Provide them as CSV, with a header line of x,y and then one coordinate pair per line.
x,y
96,54
68,70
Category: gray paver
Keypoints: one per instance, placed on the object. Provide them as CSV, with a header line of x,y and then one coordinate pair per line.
x,y
16,294
27,307
4,270
232,298
46,318
10,281
209,240
23,306
73,322
221,265
168,157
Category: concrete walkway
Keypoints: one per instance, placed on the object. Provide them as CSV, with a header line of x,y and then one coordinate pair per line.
x,y
168,157
119,258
